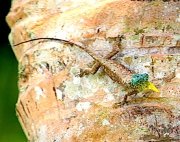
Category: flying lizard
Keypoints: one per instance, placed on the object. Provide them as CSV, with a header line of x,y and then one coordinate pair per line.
x,y
132,82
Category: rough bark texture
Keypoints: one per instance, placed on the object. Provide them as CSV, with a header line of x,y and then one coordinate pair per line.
x,y
56,105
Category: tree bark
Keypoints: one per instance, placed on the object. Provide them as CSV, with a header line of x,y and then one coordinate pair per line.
x,y
55,104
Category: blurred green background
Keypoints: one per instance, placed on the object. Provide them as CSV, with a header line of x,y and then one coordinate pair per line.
x,y
10,129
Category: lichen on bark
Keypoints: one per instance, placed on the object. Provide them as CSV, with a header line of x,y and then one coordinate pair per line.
x,y
56,104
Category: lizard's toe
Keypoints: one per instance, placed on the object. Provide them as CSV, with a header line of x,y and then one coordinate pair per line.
x,y
120,104
84,72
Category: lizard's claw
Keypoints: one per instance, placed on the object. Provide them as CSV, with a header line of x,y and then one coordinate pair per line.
x,y
84,72
120,104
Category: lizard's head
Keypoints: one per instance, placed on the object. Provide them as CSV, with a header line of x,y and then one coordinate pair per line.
x,y
140,82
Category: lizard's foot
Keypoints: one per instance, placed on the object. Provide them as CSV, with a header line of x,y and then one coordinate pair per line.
x,y
147,94
84,72
120,104
125,102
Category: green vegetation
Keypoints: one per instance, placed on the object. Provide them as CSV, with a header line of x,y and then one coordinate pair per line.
x,y
10,129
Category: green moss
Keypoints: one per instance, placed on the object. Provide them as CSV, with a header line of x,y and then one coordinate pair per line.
x,y
21,71
159,100
139,31
170,58
156,3
128,60
31,35
102,114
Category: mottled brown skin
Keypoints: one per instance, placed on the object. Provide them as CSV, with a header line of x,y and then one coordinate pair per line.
x,y
117,72
97,65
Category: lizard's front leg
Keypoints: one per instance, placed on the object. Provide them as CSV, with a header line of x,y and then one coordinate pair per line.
x,y
133,92
116,48
91,70
121,103
97,65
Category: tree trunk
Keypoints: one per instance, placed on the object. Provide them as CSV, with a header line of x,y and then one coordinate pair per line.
x,y
55,104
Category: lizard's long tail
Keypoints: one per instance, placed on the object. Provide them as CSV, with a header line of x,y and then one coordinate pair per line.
x,y
51,38
115,71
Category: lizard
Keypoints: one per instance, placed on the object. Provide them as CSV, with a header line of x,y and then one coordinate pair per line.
x,y
130,80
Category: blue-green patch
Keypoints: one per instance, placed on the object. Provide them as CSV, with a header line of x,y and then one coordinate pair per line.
x,y
138,79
